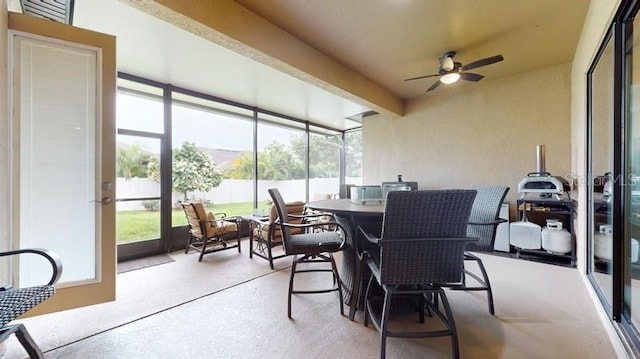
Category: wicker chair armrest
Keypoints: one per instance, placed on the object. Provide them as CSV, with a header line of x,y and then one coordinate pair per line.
x,y
368,236
53,258
318,216
311,225
453,239
492,223
311,216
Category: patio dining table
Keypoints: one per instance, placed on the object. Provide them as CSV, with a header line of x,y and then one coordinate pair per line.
x,y
351,215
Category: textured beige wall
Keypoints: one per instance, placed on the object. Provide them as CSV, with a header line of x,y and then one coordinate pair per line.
x,y
480,134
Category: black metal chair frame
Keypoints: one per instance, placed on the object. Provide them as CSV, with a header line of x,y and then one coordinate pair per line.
x,y
418,256
29,297
308,248
219,241
483,222
261,245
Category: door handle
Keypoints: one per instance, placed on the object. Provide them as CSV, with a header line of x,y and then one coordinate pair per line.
x,y
104,200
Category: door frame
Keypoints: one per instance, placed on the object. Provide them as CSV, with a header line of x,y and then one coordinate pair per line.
x,y
104,289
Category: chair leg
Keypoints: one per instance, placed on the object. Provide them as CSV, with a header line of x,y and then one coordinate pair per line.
x,y
24,338
269,254
384,323
186,249
455,350
315,258
203,249
366,298
421,306
356,291
238,239
250,242
488,285
428,298
336,279
483,281
293,271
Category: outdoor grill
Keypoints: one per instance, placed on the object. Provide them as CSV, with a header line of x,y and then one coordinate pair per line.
x,y
542,182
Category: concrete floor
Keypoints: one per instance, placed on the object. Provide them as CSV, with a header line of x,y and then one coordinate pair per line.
x,y
230,306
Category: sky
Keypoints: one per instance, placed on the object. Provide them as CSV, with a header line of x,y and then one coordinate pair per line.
x,y
137,113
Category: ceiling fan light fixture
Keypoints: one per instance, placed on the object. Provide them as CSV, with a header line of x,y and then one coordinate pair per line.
x,y
450,78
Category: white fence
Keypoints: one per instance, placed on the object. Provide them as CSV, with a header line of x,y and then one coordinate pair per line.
x,y
229,191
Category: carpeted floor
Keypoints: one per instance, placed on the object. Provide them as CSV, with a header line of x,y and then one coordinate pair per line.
x,y
145,262
230,306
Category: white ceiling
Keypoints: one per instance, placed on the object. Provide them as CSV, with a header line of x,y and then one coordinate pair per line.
x,y
386,41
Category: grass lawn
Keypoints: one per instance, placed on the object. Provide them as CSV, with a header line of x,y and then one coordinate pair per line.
x,y
134,226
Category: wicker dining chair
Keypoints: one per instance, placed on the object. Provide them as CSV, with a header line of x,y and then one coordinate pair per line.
x,y
483,224
309,247
421,250
16,301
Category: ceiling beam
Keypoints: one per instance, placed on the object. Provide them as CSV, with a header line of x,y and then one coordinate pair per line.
x,y
229,24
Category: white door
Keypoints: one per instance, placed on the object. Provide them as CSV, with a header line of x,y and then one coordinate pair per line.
x,y
62,101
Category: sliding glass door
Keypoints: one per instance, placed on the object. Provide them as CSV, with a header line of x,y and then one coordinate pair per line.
x,y
601,201
632,192
613,168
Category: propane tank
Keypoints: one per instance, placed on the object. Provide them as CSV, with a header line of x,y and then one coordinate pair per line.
x,y
555,239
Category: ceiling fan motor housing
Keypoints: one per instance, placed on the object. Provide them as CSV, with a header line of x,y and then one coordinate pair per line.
x,y
446,62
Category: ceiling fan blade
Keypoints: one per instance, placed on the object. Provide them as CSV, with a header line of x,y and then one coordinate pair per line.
x,y
468,76
482,62
422,77
433,87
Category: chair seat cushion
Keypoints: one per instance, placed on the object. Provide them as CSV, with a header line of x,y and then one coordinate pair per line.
x,y
221,227
15,302
319,242
263,232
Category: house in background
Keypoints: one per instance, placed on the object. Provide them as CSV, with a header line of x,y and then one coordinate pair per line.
x,y
457,136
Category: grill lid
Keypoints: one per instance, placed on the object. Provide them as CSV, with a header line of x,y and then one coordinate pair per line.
x,y
543,183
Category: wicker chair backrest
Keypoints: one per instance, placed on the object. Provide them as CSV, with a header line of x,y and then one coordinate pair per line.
x,y
424,236
486,209
427,214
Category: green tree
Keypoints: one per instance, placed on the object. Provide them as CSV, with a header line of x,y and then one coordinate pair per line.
x,y
353,153
275,163
324,154
242,166
131,161
278,163
193,170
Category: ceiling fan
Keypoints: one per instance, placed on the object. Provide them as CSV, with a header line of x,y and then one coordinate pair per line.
x,y
451,71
